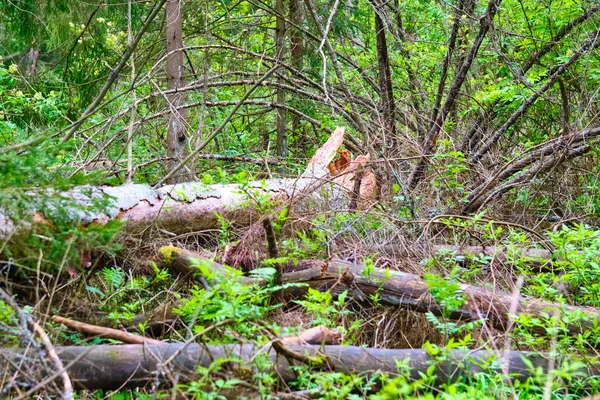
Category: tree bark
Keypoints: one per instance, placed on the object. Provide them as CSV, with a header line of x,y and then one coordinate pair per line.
x,y
176,125
385,83
112,367
404,290
280,56
297,54
191,207
411,291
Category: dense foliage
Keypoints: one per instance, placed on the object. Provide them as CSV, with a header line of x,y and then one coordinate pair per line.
x,y
479,118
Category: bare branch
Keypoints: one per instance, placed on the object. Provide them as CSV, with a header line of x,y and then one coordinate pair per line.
x,y
430,140
590,44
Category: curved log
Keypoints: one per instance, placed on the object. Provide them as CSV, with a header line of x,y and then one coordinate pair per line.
x,y
410,291
394,288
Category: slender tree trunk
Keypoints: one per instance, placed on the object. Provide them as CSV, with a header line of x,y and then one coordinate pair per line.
x,y
133,99
297,53
32,59
176,135
280,48
385,83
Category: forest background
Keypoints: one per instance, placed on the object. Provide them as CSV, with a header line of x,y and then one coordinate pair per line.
x,y
447,148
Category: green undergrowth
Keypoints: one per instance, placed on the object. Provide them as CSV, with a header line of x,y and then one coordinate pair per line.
x,y
226,310
222,308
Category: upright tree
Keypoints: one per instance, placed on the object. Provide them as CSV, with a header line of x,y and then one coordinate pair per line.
x,y
280,49
385,82
176,125
296,54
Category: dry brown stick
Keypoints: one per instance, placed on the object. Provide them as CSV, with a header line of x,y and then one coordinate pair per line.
x,y
102,331
67,385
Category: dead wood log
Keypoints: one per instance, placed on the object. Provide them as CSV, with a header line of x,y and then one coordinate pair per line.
x,y
411,291
399,289
192,206
111,367
461,252
534,257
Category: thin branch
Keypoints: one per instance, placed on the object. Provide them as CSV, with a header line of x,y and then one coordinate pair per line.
x,y
541,160
112,77
338,72
430,140
219,128
447,59
102,331
76,41
566,126
590,44
564,31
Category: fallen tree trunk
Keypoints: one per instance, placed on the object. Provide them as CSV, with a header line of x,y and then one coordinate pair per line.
x,y
466,251
116,366
192,206
411,291
399,289
179,208
461,252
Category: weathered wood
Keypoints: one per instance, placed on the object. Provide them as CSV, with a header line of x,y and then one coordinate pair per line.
x,y
399,289
179,208
460,252
411,291
111,367
178,261
192,206
104,332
